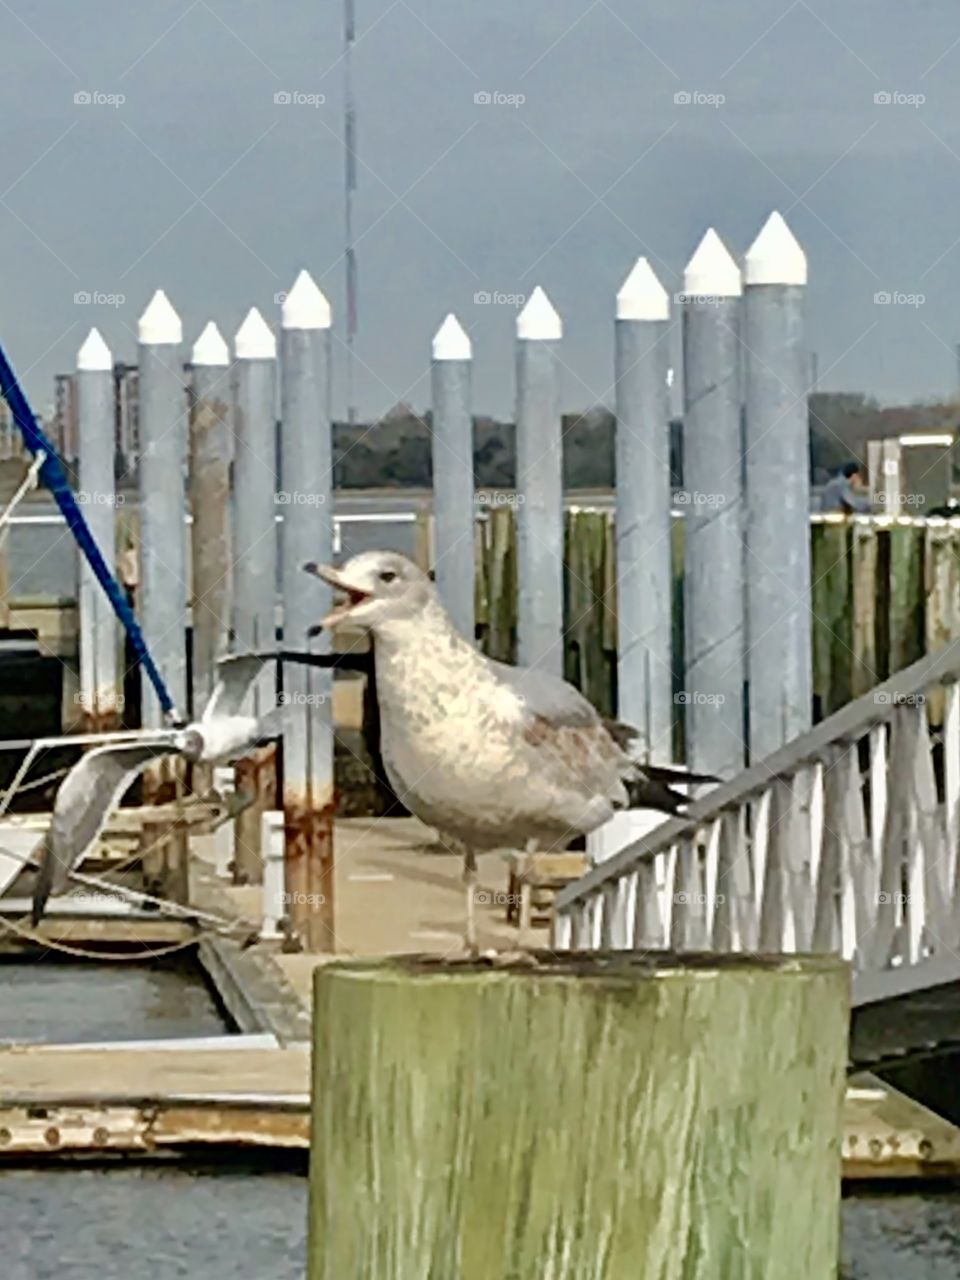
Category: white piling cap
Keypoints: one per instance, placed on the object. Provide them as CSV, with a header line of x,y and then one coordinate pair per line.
x,y
712,271
539,320
451,342
305,306
210,349
94,356
642,296
775,257
254,339
160,324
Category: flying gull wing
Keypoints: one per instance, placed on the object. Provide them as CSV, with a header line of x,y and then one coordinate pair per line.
x,y
235,676
84,802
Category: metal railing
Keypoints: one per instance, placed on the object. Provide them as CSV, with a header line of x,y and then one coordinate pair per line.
x,y
844,840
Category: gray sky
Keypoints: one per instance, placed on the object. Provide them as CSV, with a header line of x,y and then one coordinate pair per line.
x,y
200,184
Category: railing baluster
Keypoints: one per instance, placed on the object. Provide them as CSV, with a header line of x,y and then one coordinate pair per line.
x,y
740,877
951,787
826,930
562,932
713,939
761,812
773,914
648,929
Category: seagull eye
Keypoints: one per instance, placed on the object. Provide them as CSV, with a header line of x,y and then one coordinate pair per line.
x,y
387,576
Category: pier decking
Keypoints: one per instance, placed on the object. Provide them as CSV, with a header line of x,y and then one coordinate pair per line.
x,y
397,891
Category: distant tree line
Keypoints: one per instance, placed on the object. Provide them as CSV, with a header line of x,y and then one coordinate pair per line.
x,y
395,452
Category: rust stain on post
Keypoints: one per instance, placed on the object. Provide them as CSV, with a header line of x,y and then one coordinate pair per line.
x,y
256,782
308,834
164,845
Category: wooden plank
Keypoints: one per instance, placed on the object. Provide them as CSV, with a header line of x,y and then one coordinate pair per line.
x,y
865,673
907,592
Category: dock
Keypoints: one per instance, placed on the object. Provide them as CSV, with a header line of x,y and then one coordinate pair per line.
x,y
397,891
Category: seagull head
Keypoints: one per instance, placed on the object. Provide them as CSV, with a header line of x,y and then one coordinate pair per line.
x,y
375,587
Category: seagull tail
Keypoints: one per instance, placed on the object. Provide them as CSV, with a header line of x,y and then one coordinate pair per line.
x,y
645,793
43,884
650,787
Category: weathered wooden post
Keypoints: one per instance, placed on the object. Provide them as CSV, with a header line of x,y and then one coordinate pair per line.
x,y
163,456
777,563
581,1117
452,454
643,494
254,537
210,455
539,487
101,686
307,478
712,503
163,561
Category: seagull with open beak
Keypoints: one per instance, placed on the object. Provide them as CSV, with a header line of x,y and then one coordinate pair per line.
x,y
491,756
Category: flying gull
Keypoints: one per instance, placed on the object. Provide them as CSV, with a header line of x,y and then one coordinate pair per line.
x,y
490,755
97,782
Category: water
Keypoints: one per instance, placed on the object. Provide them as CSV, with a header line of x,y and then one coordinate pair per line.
x,y
127,1222
151,1223
69,1004
896,1236
160,1222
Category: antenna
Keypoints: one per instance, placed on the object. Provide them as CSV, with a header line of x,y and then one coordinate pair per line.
x,y
350,185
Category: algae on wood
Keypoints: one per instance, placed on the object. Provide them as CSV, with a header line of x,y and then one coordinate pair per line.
x,y
832,616
906,595
863,553
610,1117
942,620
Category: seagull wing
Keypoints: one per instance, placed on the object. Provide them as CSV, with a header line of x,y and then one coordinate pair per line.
x,y
83,803
235,676
591,751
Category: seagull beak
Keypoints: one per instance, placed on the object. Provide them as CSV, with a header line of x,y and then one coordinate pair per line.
x,y
341,611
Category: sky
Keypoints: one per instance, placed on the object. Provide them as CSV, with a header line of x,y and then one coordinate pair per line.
x,y
145,146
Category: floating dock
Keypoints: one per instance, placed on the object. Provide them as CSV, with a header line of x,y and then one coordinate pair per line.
x,y
397,891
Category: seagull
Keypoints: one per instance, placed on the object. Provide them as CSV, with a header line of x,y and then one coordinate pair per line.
x,y
492,756
96,783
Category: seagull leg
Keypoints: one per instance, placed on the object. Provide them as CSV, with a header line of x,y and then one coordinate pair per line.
x,y
470,884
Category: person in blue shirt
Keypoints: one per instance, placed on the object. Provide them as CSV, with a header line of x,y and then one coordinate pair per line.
x,y
847,492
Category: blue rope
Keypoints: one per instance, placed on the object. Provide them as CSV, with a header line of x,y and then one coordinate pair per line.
x,y
55,478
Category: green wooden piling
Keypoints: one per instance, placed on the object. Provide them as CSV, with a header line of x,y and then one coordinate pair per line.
x,y
863,560
832,616
942,601
582,1117
907,594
